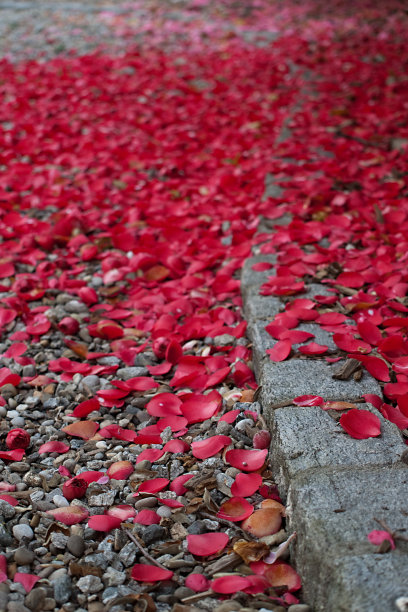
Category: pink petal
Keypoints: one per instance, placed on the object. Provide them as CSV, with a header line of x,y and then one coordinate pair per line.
x,y
230,584
150,573
53,447
13,455
308,400
104,522
246,460
150,454
147,517
122,512
27,580
86,407
377,537
120,470
281,574
153,486
235,509
280,351
197,583
361,424
9,499
69,515
207,543
246,485
177,486
164,404
210,446
82,429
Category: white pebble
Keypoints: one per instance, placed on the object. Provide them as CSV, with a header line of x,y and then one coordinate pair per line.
x,y
23,531
60,501
164,511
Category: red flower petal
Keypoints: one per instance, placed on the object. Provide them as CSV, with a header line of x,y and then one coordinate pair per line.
x,y
361,424
69,515
150,573
177,486
246,460
235,509
86,407
27,580
120,470
153,486
9,499
374,365
313,349
82,429
150,454
377,537
53,447
164,404
147,517
197,583
246,485
14,455
308,400
176,446
207,543
210,446
281,574
280,351
230,584
122,512
104,522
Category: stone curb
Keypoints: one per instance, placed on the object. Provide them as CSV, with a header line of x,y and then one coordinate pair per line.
x,y
334,485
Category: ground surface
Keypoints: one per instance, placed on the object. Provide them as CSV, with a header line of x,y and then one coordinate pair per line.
x,y
140,145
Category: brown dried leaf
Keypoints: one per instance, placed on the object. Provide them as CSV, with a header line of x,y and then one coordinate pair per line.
x,y
142,602
55,528
84,569
251,551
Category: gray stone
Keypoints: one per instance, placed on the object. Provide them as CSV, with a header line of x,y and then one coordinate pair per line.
x,y
6,538
334,512
23,556
153,533
131,372
369,583
35,599
62,589
112,577
76,545
75,306
127,554
308,438
7,511
23,531
92,381
89,584
283,381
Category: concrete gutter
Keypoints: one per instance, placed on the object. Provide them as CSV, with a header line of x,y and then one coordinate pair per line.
x,y
334,486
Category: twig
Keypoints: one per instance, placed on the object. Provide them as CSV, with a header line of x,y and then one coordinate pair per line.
x,y
394,534
143,550
224,522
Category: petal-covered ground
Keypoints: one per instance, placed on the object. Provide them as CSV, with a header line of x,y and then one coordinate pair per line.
x,y
133,463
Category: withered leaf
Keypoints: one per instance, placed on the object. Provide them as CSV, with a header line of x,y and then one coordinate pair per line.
x,y
84,569
251,551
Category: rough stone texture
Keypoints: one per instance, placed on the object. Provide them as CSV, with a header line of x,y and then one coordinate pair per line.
x,y
332,514
283,381
309,439
334,485
386,576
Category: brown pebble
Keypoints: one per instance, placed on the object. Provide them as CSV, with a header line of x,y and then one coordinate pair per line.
x,y
76,545
299,608
96,606
182,592
228,606
35,599
23,556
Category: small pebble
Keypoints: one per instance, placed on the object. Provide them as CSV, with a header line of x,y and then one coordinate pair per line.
x,y
23,556
35,599
89,584
299,608
22,532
